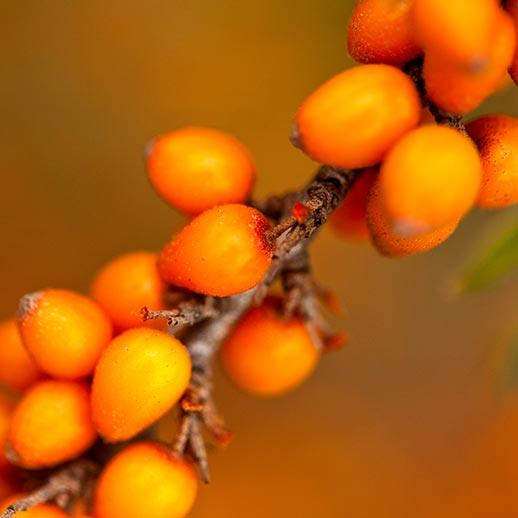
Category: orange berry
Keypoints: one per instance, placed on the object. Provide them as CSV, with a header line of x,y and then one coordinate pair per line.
x,y
65,332
512,7
17,369
194,169
430,178
392,245
145,479
380,31
267,355
50,424
221,252
353,119
459,31
350,219
497,139
139,377
459,90
38,511
127,284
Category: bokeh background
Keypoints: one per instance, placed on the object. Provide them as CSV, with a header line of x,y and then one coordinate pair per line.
x,y
385,428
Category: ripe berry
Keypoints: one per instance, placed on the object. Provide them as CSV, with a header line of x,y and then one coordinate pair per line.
x,y
221,252
17,369
430,178
145,480
353,119
458,31
392,245
65,332
380,31
512,7
139,377
38,511
267,355
497,139
195,169
458,90
127,284
350,219
50,424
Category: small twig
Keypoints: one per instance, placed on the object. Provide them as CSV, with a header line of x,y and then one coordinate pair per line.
x,y
189,312
319,199
63,485
302,297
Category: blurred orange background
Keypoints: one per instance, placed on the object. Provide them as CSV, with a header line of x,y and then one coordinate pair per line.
x,y
385,427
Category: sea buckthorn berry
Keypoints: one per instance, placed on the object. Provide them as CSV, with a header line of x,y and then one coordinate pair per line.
x,y
267,355
458,31
50,424
353,119
38,511
64,331
195,169
139,377
127,284
380,31
392,245
145,479
17,369
458,90
496,137
350,219
512,7
430,178
221,252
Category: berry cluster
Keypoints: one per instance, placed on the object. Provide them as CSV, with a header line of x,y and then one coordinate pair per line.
x,y
422,176
94,373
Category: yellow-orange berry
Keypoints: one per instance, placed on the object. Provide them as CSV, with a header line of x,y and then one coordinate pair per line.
x,y
145,479
350,219
64,331
430,178
353,119
17,369
392,245
496,137
458,90
127,284
221,252
267,355
512,7
380,31
195,169
139,377
459,31
38,511
50,424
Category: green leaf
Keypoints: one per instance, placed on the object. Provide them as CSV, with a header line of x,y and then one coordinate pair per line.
x,y
498,260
